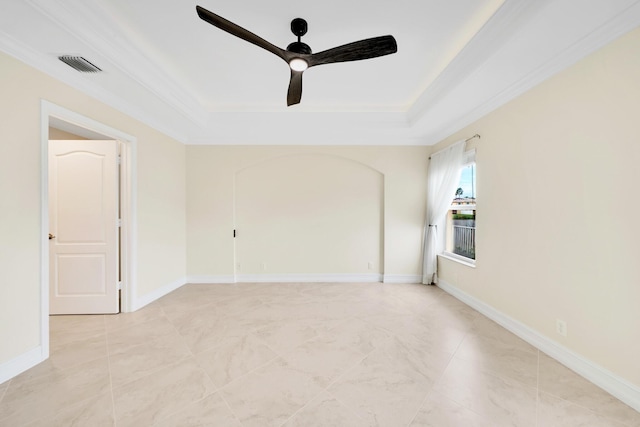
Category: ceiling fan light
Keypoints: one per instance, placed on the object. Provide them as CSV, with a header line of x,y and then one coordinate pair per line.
x,y
298,64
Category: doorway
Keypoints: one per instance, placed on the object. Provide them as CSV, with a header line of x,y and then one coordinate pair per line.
x,y
64,120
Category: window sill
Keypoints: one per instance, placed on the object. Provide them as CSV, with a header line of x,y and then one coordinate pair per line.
x,y
459,259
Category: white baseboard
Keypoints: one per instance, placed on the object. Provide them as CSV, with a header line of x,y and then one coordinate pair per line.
x,y
308,278
211,279
402,278
608,381
144,300
21,363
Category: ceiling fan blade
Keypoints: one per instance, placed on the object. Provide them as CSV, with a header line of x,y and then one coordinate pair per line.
x,y
356,51
295,88
238,31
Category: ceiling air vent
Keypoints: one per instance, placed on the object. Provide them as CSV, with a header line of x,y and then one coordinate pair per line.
x,y
79,63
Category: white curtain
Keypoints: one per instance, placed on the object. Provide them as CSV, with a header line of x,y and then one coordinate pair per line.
x,y
443,177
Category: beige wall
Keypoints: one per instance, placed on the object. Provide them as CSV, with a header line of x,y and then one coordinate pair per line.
x,y
308,213
160,205
393,176
557,180
57,134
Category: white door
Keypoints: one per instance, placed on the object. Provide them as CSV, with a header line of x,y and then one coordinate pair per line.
x,y
83,215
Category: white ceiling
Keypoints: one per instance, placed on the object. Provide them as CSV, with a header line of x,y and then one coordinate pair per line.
x,y
456,61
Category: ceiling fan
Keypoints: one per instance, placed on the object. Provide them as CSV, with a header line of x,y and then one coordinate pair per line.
x,y
298,54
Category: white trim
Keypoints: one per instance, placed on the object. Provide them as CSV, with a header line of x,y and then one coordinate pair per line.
x,y
498,30
128,206
35,59
211,279
608,381
147,299
459,259
93,25
600,37
308,278
402,278
45,108
25,361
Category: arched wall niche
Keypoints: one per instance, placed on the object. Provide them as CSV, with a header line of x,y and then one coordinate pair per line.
x,y
309,214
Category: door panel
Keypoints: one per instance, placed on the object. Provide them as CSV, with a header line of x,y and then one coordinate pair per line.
x,y
83,213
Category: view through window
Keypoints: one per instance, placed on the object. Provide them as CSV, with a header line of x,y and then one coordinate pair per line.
x,y
461,219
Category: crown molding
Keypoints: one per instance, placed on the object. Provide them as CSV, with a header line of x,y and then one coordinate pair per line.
x,y
36,60
475,83
92,24
625,21
491,37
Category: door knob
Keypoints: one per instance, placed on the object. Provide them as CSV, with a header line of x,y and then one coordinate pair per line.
x,y
51,236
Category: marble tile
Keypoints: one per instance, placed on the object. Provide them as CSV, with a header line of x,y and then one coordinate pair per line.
x,y
233,357
444,337
456,316
186,299
127,320
131,363
382,397
438,411
300,354
285,336
120,340
325,411
329,290
188,317
95,411
152,398
66,330
360,335
412,356
504,401
325,357
203,330
3,389
269,292
210,411
557,380
42,369
555,412
389,385
237,304
500,358
26,399
269,395
70,324
73,353
487,328
414,295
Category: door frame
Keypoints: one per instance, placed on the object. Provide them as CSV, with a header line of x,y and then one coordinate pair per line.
x,y
128,197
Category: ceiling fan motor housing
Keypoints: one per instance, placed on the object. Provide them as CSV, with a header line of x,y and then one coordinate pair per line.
x,y
299,47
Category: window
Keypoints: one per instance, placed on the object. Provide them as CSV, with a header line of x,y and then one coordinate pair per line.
x,y
461,218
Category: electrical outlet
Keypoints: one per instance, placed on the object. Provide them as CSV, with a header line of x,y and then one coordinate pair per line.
x,y
561,327
264,266
238,266
370,264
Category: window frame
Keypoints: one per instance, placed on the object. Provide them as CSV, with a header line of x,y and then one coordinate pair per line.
x,y
469,158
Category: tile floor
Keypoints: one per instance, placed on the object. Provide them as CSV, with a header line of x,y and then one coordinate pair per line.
x,y
300,355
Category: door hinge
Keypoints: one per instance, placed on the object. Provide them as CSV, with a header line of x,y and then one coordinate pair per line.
x,y
234,234
119,285
119,160
118,222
